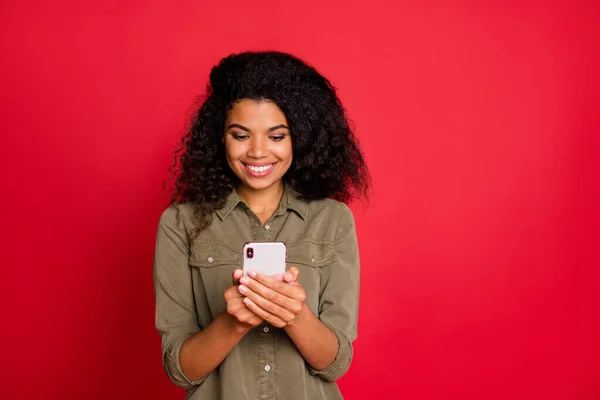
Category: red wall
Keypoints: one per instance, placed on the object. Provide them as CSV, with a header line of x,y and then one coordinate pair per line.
x,y
480,274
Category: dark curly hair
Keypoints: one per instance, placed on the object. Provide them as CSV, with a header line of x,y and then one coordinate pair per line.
x,y
326,163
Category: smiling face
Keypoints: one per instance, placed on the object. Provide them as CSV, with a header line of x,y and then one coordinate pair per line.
x,y
258,144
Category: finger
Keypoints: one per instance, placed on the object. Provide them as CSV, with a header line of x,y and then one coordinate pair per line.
x,y
248,313
255,320
270,281
266,282
247,316
242,313
237,274
291,275
285,314
232,293
235,307
275,321
292,304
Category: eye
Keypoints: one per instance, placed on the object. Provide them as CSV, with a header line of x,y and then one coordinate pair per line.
x,y
240,137
277,138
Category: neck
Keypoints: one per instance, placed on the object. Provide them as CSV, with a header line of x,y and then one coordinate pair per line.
x,y
263,200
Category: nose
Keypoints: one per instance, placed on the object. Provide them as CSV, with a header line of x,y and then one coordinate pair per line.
x,y
258,148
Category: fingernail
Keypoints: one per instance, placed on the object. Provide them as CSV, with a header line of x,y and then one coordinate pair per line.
x,y
242,289
244,281
247,301
288,275
252,274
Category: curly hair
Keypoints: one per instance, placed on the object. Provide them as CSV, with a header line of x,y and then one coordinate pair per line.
x,y
327,161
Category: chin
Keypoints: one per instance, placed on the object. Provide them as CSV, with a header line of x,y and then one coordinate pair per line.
x,y
260,185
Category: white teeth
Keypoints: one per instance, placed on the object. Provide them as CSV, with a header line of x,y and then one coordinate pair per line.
x,y
259,169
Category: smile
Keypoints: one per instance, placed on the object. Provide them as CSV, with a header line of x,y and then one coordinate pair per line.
x,y
262,168
259,171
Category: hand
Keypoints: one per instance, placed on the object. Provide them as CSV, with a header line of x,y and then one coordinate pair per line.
x,y
277,300
245,318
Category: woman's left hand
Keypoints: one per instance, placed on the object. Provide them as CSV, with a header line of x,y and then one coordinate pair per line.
x,y
277,300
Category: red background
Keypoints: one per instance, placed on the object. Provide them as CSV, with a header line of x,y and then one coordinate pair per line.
x,y
479,263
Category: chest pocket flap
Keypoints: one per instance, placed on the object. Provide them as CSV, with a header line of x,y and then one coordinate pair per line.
x,y
312,253
211,254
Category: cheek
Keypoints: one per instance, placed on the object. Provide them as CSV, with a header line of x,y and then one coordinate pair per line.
x,y
233,151
284,152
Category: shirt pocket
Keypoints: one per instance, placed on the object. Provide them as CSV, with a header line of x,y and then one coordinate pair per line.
x,y
213,254
310,256
212,268
311,253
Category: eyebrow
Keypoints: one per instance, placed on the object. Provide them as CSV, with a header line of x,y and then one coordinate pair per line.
x,y
245,129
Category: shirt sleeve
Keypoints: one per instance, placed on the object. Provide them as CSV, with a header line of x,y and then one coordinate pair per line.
x,y
176,316
338,300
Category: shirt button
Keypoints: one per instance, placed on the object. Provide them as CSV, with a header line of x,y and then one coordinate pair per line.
x,y
266,329
313,260
267,227
210,259
267,368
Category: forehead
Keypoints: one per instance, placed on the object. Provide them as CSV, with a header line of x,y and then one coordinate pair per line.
x,y
256,113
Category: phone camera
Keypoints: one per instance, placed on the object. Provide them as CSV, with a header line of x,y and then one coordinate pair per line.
x,y
249,252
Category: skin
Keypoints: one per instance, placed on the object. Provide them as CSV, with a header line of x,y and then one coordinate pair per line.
x,y
256,133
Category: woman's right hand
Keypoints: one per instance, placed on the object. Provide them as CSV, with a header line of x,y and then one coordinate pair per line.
x,y
245,319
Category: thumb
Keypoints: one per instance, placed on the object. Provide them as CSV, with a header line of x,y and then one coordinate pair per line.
x,y
237,275
291,276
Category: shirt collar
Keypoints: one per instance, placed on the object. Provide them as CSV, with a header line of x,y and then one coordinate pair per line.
x,y
289,201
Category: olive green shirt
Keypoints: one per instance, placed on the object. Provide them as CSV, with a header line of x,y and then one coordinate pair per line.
x,y
190,280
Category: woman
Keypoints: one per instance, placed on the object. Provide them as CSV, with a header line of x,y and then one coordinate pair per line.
x,y
270,156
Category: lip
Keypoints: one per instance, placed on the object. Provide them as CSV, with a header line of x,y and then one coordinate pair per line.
x,y
258,174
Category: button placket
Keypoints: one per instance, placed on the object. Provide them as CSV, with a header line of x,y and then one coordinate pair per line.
x,y
266,361
268,227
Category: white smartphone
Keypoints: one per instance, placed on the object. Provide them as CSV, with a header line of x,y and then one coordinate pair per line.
x,y
268,258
